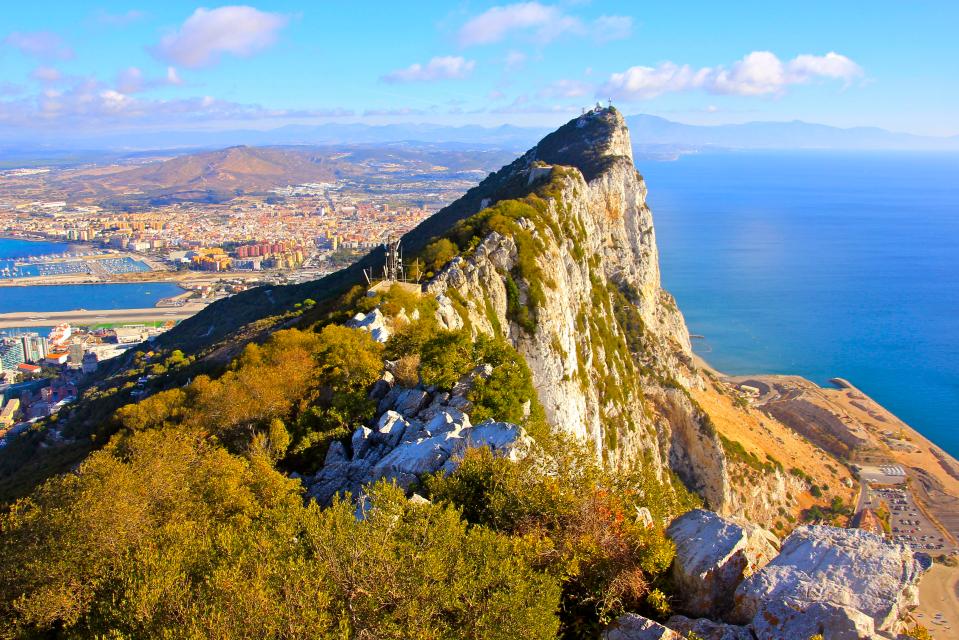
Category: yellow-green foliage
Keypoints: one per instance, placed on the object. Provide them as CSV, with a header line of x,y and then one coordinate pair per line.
x,y
449,355
438,253
608,561
171,536
316,381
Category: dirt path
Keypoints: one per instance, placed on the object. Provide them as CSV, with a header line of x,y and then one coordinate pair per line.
x,y
938,595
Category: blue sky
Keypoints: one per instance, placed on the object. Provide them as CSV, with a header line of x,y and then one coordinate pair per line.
x,y
127,65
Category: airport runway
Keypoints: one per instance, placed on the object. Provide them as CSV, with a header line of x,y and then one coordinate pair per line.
x,y
101,316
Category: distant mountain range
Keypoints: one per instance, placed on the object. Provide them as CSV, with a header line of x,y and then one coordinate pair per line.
x,y
652,130
649,133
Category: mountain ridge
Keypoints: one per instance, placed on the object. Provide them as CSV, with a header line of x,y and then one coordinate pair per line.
x,y
647,129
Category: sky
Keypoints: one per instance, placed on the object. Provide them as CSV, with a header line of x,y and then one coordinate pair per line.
x,y
128,65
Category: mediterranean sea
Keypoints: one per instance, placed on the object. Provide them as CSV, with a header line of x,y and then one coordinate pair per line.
x,y
821,264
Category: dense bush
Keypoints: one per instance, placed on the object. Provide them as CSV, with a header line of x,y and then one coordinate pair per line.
x,y
609,561
316,383
171,536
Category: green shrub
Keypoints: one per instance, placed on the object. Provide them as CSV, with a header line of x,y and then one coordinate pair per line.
x,y
171,536
609,562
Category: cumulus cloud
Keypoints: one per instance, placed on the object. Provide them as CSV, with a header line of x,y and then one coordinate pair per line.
x,y
543,22
439,68
46,74
133,80
564,89
758,73
44,45
209,33
831,65
90,104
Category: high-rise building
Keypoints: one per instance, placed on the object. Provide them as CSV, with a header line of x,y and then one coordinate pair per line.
x,y
11,353
34,347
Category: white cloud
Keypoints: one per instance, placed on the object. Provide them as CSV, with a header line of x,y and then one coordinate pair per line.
x,y
45,45
565,89
89,104
46,74
831,65
133,80
543,22
496,22
130,80
439,68
609,28
756,74
172,77
209,33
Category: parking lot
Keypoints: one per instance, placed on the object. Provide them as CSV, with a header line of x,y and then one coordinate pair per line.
x,y
907,522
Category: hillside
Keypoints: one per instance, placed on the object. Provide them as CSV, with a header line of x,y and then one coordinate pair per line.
x,y
533,401
206,175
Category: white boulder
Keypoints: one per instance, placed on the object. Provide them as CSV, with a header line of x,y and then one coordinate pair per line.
x,y
374,322
713,555
631,626
848,580
708,629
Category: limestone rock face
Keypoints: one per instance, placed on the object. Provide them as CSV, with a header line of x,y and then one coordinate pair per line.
x,y
601,251
846,580
713,554
631,626
374,322
708,629
404,447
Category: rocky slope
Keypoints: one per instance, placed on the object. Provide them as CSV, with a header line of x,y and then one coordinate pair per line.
x,y
609,349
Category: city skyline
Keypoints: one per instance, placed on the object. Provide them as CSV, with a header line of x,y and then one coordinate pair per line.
x,y
123,66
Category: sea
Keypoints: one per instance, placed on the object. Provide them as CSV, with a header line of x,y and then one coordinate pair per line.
x,y
821,264
73,296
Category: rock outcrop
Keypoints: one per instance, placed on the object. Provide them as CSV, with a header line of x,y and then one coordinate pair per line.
x,y
713,555
631,626
708,629
421,436
844,583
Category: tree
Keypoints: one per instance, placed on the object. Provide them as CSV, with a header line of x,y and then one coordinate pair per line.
x,y
446,357
438,253
169,535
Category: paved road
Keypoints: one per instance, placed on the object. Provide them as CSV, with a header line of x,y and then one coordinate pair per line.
x,y
49,318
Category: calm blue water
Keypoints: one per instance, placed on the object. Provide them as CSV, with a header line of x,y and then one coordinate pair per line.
x,y
10,248
68,297
79,296
823,265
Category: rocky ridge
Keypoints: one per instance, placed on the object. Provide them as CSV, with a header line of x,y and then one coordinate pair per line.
x,y
610,353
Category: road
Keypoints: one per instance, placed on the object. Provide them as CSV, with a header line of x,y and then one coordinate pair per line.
x,y
101,316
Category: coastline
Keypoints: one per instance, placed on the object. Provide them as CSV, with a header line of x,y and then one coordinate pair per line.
x,y
843,413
